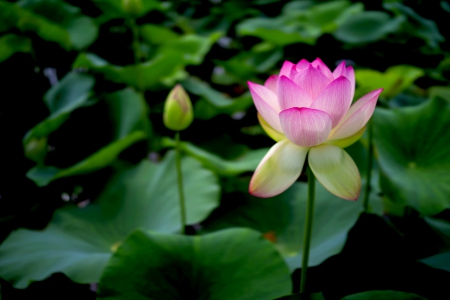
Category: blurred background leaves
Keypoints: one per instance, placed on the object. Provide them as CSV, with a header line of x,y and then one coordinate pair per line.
x,y
81,113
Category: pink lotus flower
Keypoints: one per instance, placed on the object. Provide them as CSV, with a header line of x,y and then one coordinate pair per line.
x,y
307,109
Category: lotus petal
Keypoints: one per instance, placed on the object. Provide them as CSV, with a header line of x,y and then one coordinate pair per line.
x,y
278,170
266,103
305,127
336,171
291,95
357,116
335,99
311,81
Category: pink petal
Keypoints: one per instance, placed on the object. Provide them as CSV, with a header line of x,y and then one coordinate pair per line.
x,y
302,64
288,69
266,103
305,127
340,70
357,116
291,95
336,171
319,65
278,170
311,81
350,74
272,83
335,99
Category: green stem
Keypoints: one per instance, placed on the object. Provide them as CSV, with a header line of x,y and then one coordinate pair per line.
x,y
180,182
137,53
308,228
369,167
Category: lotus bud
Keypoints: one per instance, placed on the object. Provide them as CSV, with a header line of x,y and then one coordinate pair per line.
x,y
132,7
178,113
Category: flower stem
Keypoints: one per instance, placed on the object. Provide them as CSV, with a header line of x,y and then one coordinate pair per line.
x,y
369,167
308,228
180,182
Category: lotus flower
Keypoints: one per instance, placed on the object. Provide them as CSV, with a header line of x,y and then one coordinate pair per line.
x,y
307,110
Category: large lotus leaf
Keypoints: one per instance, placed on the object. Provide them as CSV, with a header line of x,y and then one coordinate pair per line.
x,y
70,93
246,65
303,25
164,68
11,43
158,35
394,80
53,20
79,241
368,26
439,261
417,25
129,112
43,175
442,228
222,167
233,264
377,295
413,146
213,102
282,218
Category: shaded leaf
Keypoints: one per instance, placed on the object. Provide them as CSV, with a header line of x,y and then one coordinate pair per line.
x,y
417,25
221,265
43,175
166,67
227,168
282,217
53,20
11,43
394,80
368,26
79,242
303,25
213,102
72,92
129,111
439,261
376,295
413,146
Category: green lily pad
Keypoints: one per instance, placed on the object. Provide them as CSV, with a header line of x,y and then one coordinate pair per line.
x,y
439,261
213,102
11,43
127,108
394,80
53,20
231,264
413,146
163,69
43,175
377,295
368,26
72,92
417,25
222,167
79,242
282,218
300,25
129,111
442,228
